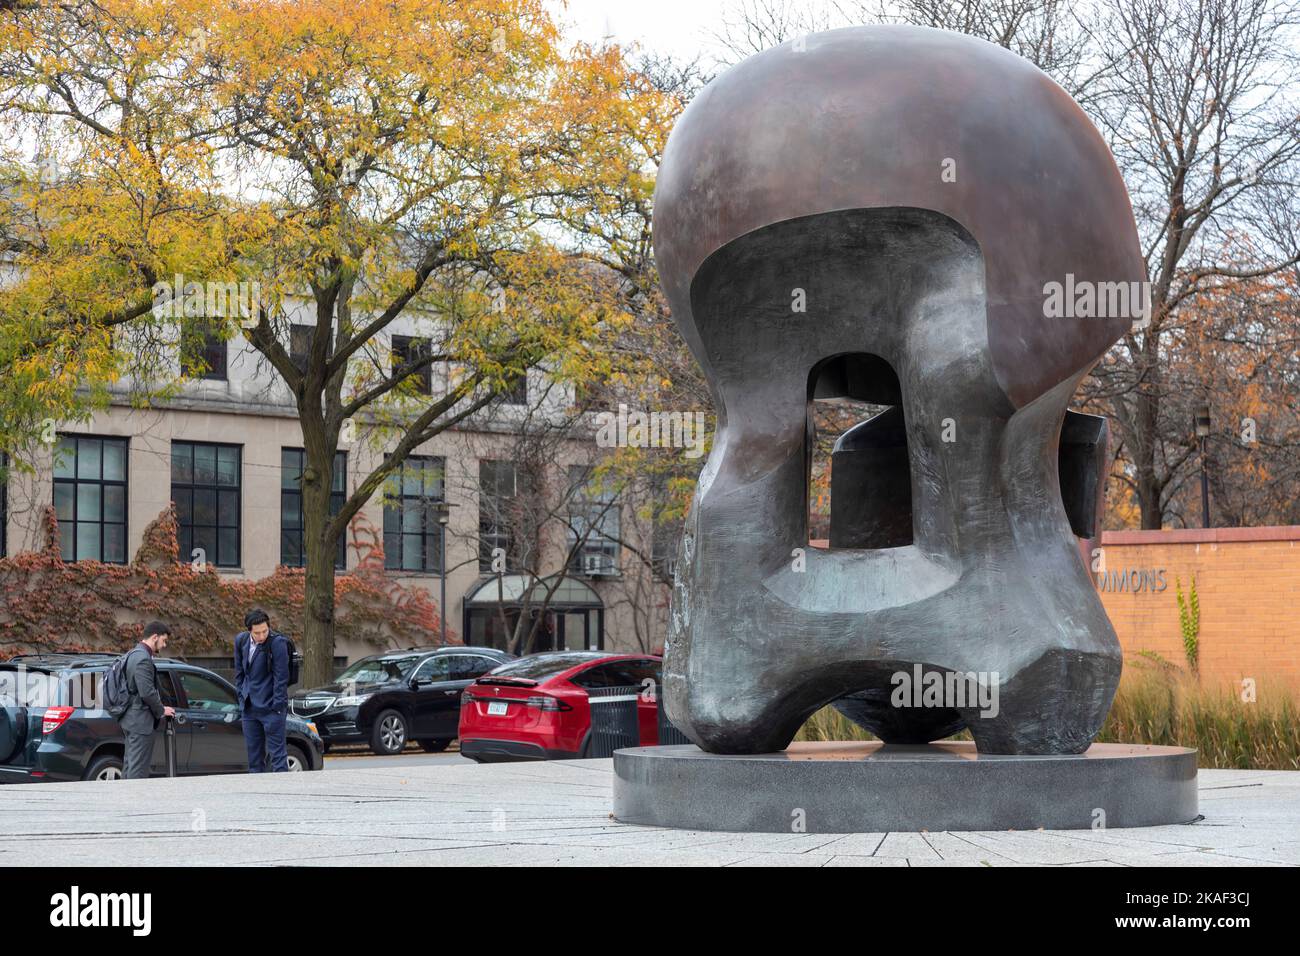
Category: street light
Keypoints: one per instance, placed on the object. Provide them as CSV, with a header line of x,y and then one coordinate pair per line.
x,y
442,510
1203,432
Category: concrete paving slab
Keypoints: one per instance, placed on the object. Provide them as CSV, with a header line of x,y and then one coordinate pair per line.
x,y
558,814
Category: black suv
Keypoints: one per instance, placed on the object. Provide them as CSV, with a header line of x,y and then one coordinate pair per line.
x,y
390,698
53,725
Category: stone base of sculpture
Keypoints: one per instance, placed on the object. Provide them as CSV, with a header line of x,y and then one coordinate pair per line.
x,y
854,787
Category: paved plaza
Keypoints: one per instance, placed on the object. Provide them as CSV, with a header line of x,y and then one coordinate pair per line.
x,y
558,813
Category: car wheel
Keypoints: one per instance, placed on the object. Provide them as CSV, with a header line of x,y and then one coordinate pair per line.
x,y
389,734
107,767
297,759
435,746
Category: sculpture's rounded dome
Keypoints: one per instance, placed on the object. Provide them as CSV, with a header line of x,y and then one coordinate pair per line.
x,y
908,116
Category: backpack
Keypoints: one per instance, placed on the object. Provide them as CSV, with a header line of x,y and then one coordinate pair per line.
x,y
295,660
295,656
117,690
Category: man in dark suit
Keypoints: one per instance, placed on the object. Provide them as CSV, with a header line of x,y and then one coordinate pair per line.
x,y
262,680
145,708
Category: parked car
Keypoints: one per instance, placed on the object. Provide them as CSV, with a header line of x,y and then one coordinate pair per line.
x,y
538,707
385,700
52,727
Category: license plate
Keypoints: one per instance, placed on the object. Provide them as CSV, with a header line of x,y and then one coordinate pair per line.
x,y
497,708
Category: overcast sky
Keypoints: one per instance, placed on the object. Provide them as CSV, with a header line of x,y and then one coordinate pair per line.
x,y
686,29
680,27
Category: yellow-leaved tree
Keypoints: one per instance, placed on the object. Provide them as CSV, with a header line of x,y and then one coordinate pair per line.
x,y
364,163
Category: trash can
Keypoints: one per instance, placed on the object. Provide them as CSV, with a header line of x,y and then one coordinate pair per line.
x,y
613,719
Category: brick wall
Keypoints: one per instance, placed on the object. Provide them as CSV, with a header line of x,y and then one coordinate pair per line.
x,y
1248,580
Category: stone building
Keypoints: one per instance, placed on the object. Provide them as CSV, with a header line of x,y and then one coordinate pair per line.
x,y
227,449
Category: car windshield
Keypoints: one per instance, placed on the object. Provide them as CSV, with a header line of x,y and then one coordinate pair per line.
x,y
377,670
541,666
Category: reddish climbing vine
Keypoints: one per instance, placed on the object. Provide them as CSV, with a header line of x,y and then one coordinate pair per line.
x,y
48,604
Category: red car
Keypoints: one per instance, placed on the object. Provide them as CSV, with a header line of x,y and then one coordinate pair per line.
x,y
539,707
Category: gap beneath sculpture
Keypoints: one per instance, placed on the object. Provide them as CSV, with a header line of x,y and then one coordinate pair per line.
x,y
855,787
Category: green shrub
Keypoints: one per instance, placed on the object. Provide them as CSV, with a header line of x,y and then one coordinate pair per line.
x,y
1159,704
1165,706
1189,622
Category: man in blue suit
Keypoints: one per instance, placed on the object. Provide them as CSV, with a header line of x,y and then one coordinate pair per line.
x,y
262,680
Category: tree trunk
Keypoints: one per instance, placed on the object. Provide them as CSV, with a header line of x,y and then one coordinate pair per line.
x,y
318,626
1146,422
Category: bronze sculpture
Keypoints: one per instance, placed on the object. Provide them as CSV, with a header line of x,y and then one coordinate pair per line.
x,y
880,213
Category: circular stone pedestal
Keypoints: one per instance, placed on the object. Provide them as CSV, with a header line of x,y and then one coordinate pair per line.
x,y
872,788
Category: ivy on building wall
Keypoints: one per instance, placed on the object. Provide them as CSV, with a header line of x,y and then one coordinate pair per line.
x,y
1189,622
48,604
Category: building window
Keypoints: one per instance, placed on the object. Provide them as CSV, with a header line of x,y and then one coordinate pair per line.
x,y
300,338
496,492
90,498
407,350
206,491
293,552
412,534
203,350
663,548
517,392
591,396
593,535
300,345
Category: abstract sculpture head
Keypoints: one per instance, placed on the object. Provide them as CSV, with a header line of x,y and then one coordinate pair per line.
x,y
887,214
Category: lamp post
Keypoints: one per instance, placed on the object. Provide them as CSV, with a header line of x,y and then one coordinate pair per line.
x,y
1203,432
442,510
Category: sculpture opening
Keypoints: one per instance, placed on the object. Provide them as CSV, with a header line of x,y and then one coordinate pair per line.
x,y
856,401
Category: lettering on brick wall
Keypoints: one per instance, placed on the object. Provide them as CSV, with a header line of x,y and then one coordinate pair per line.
x,y
1132,580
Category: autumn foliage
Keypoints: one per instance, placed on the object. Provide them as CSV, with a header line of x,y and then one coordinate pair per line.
x,y
48,604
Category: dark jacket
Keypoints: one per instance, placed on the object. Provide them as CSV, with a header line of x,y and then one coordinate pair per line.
x,y
263,685
146,706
